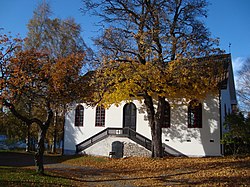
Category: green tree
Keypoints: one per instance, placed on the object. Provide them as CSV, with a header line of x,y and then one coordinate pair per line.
x,y
12,127
237,136
147,52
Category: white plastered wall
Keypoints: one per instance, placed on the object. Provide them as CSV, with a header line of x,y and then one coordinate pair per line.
x,y
180,139
186,141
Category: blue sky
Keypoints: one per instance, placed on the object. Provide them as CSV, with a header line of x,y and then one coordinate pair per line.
x,y
228,19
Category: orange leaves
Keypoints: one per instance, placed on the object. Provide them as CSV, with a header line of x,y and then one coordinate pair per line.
x,y
35,73
26,66
66,71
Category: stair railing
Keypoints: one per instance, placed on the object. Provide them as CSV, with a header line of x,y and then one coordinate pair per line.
x,y
127,132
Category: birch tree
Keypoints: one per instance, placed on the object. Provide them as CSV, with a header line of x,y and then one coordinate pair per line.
x,y
243,83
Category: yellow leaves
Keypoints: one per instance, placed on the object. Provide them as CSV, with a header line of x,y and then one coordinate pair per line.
x,y
177,79
197,76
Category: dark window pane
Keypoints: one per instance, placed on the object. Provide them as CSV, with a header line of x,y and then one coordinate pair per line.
x,y
100,116
166,123
79,115
194,114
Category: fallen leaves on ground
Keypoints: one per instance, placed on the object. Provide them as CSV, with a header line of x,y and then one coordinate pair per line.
x,y
139,171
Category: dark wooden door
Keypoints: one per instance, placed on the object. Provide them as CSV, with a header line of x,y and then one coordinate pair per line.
x,y
129,116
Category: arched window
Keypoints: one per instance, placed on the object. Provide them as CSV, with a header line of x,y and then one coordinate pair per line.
x,y
166,123
100,116
194,114
79,115
129,116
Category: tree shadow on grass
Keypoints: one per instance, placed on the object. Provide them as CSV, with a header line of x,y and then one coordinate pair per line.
x,y
171,176
23,159
102,176
15,176
109,180
179,175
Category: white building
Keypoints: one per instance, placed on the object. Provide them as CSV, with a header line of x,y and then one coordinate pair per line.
x,y
124,130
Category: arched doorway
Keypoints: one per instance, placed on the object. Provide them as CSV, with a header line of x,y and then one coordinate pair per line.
x,y
129,116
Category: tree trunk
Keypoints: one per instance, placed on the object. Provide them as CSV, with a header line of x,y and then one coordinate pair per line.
x,y
41,140
28,147
156,134
54,134
155,121
63,134
43,130
40,151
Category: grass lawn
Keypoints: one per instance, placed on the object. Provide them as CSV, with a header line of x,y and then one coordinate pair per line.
x,y
134,171
13,176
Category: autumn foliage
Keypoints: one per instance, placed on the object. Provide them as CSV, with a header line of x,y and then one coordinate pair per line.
x,y
41,81
150,50
187,78
36,75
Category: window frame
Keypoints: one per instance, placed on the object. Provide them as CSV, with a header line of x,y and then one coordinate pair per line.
x,y
194,114
79,116
100,116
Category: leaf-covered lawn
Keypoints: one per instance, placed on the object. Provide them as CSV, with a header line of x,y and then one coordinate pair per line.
x,y
133,171
225,171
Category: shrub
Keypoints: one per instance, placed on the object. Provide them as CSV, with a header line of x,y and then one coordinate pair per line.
x,y
237,136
